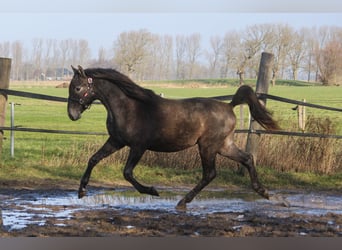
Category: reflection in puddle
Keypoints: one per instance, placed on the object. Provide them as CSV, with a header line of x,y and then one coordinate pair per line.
x,y
23,210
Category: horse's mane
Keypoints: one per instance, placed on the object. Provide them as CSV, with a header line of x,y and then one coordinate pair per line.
x,y
124,83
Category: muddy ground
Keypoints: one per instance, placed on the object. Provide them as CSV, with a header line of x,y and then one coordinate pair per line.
x,y
133,221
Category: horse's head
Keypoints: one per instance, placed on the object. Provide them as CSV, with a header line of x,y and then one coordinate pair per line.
x,y
81,93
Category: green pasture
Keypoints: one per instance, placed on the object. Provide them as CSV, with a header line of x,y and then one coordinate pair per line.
x,y
64,157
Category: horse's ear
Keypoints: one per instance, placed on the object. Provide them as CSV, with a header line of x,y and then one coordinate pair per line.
x,y
81,71
75,70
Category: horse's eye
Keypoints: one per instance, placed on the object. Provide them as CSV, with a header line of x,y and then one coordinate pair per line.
x,y
78,89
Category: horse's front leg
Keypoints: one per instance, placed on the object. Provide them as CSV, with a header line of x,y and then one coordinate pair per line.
x,y
107,149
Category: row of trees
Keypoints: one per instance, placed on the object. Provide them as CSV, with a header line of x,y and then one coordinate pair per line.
x,y
312,54
45,57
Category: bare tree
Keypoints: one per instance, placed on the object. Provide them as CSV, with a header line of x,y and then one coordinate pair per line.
x,y
229,54
167,55
296,52
328,55
47,57
56,59
74,52
162,56
152,62
5,49
180,56
103,59
84,52
280,40
193,49
255,39
216,46
322,36
65,47
37,56
309,46
17,62
130,49
101,56
330,64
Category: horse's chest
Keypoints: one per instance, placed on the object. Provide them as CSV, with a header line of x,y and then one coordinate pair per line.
x,y
113,126
122,129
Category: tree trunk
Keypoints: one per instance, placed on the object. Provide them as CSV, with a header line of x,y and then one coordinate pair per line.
x,y
241,74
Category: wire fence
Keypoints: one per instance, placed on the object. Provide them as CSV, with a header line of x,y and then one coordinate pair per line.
x,y
221,98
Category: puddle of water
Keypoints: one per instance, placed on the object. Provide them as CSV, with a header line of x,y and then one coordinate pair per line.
x,y
21,216
17,219
21,211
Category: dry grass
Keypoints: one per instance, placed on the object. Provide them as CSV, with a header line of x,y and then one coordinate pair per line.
x,y
303,154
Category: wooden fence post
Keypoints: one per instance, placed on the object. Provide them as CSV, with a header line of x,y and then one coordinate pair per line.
x,y
5,70
264,78
301,117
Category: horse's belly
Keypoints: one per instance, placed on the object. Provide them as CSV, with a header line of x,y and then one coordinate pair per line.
x,y
172,145
170,148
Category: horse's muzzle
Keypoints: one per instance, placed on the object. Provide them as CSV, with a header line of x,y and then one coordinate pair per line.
x,y
74,117
74,111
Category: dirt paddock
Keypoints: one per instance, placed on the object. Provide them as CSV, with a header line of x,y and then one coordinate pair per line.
x,y
48,214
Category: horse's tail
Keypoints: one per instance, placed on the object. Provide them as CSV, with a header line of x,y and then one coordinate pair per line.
x,y
245,94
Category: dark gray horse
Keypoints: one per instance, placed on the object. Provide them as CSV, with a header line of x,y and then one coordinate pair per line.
x,y
142,120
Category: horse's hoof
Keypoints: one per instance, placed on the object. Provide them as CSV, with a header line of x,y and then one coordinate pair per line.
x,y
181,206
280,200
264,193
81,193
153,192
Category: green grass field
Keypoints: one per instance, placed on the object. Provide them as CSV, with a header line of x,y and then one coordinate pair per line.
x,y
58,156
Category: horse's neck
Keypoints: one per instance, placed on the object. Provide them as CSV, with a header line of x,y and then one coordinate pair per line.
x,y
112,97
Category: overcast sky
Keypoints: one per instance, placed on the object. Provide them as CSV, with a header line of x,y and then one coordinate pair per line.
x,y
100,21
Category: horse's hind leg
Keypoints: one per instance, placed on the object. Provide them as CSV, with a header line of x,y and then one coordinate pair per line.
x,y
209,173
107,149
133,158
231,151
